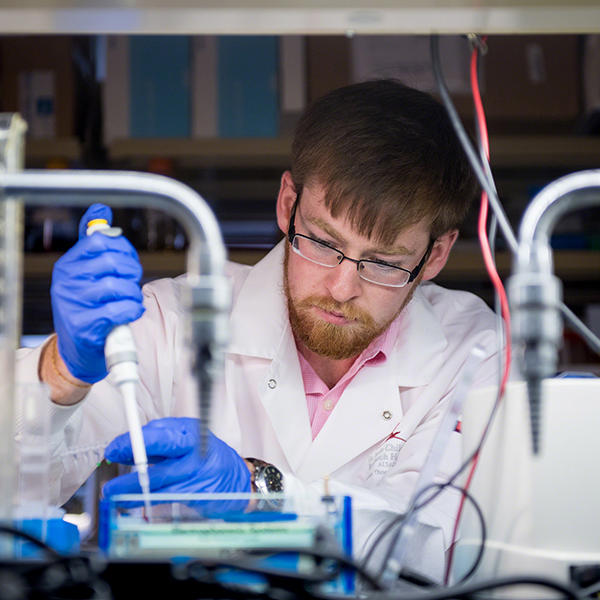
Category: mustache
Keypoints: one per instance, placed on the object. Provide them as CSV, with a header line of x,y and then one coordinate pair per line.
x,y
348,311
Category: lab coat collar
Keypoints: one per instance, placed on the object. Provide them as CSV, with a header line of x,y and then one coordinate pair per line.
x,y
418,353
259,318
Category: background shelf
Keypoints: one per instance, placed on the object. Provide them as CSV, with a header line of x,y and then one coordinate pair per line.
x,y
464,264
506,151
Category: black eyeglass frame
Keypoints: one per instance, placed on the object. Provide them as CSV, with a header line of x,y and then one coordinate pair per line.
x,y
412,274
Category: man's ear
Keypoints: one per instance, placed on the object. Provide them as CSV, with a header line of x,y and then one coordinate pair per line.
x,y
285,201
439,254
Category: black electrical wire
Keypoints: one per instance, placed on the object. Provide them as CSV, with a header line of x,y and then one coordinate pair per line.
x,y
483,172
483,534
204,570
488,186
492,241
19,533
471,590
416,507
403,519
401,523
485,183
592,590
398,521
343,560
66,577
275,583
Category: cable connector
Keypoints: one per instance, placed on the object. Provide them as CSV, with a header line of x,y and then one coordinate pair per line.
x,y
477,42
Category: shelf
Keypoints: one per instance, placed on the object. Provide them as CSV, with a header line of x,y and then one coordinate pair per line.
x,y
545,151
169,263
217,152
299,16
45,149
567,151
465,264
506,151
578,270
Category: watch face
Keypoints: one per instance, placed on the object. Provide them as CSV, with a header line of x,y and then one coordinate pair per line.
x,y
273,479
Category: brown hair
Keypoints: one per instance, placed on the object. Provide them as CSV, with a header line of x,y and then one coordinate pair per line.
x,y
387,156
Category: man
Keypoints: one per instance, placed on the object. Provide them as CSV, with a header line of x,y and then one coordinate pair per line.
x,y
342,359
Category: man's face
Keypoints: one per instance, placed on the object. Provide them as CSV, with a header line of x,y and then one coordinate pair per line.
x,y
334,312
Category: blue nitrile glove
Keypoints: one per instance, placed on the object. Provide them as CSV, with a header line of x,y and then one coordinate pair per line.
x,y
95,287
177,466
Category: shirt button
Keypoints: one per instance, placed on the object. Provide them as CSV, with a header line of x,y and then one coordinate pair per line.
x,y
272,384
328,405
387,415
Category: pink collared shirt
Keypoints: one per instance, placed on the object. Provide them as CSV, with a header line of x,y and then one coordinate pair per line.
x,y
320,400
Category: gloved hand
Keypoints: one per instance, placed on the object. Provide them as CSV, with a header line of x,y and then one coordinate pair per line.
x,y
95,287
173,448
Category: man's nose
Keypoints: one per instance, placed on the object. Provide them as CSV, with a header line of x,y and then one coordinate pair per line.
x,y
343,281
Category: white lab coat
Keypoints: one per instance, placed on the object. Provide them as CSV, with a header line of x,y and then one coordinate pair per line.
x,y
261,408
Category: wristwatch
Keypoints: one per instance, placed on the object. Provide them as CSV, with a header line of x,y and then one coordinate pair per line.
x,y
266,479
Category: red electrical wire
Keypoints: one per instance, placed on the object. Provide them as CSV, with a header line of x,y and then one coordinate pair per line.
x,y
496,281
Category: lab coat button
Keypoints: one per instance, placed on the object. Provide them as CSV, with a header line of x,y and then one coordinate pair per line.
x,y
272,384
387,415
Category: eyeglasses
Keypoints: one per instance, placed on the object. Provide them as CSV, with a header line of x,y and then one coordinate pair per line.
x,y
373,271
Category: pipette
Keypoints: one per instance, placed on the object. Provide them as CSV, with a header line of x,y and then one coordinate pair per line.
x,y
121,361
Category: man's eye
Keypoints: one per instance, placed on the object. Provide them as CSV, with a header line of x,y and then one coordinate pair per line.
x,y
384,264
322,247
325,243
